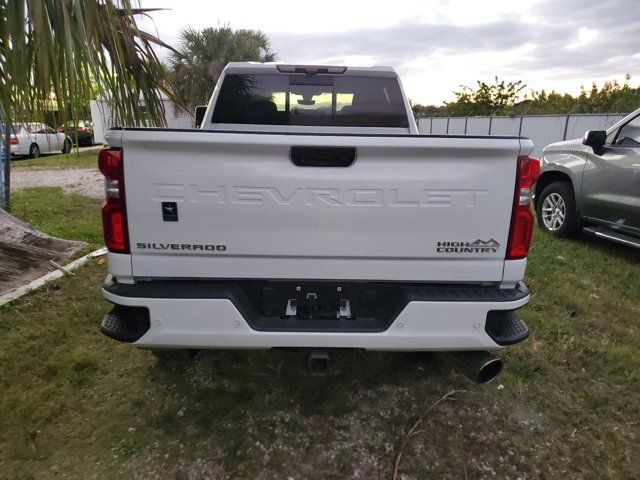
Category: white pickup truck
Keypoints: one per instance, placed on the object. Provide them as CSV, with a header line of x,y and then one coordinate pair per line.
x,y
306,211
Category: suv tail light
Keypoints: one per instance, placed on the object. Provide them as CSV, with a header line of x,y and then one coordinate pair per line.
x,y
114,212
14,140
521,229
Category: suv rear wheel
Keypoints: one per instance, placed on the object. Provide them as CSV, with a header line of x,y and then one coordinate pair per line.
x,y
556,210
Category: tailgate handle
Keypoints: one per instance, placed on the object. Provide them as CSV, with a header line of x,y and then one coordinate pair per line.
x,y
323,156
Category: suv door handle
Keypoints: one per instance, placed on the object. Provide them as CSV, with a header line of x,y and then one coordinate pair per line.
x,y
323,156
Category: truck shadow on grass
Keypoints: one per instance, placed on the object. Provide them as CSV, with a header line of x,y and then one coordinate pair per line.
x,y
243,403
623,252
280,378
585,244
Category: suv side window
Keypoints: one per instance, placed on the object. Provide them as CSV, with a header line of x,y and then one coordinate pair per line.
x,y
629,134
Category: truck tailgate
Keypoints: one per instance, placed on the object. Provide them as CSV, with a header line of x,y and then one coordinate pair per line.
x,y
412,208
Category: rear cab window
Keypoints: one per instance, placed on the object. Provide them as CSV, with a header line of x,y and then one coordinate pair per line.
x,y
312,100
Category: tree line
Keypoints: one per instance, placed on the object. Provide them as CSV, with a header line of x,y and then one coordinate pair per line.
x,y
196,64
507,98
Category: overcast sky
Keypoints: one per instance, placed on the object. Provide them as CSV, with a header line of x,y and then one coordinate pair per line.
x,y
436,45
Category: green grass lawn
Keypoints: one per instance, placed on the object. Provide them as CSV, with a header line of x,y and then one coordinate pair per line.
x,y
68,216
78,405
85,158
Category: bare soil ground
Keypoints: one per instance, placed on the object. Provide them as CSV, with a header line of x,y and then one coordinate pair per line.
x,y
25,252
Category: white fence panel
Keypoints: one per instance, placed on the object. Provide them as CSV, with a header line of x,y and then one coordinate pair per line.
x,y
478,125
102,118
505,126
424,125
542,129
457,125
439,126
177,118
578,124
97,118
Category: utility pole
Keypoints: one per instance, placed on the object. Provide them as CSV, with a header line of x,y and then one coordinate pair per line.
x,y
1,162
5,163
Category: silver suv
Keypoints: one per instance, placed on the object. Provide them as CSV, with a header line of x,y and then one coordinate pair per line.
x,y
593,184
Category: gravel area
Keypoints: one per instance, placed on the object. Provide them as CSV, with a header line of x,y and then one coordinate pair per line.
x,y
85,181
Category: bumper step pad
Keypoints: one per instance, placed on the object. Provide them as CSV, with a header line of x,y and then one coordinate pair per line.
x,y
505,327
126,324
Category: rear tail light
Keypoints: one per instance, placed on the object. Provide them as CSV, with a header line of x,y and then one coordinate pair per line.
x,y
114,212
521,228
14,140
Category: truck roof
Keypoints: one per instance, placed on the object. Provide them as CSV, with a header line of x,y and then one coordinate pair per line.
x,y
277,67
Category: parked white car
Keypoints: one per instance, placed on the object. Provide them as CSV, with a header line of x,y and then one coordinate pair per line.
x,y
32,139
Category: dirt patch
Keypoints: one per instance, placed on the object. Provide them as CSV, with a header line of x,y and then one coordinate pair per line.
x,y
25,252
85,181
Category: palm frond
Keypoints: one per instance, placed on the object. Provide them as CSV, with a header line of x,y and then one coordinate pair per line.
x,y
65,50
202,55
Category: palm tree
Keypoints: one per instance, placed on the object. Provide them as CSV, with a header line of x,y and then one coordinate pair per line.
x,y
61,50
202,55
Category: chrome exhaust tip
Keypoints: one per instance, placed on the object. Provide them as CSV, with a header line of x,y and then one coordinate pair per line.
x,y
481,367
